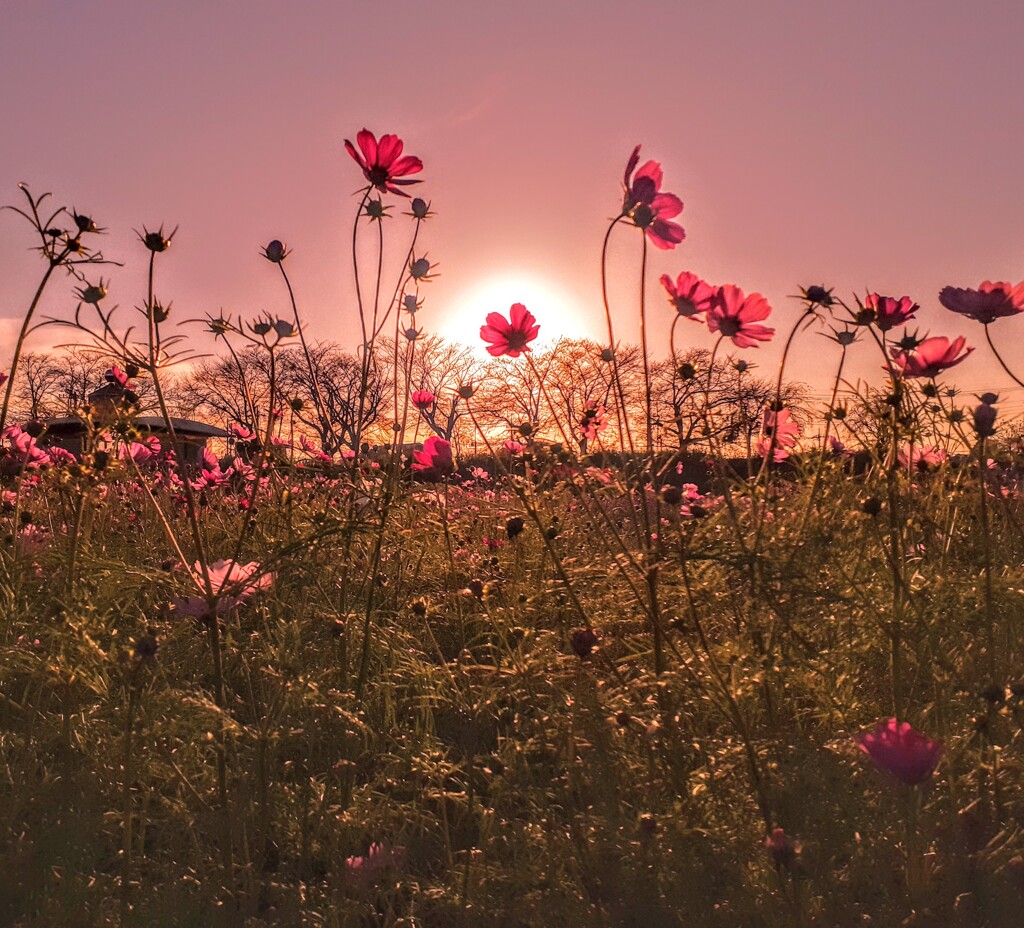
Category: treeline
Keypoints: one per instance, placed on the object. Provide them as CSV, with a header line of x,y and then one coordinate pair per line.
x,y
567,394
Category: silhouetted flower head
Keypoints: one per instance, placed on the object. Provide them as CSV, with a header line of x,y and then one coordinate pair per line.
x,y
930,358
991,301
382,161
886,312
510,337
736,315
649,208
276,251
690,295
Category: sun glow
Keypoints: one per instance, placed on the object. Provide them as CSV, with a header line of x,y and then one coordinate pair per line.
x,y
557,312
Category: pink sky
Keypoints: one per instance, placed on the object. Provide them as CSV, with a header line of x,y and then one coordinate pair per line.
x,y
864,145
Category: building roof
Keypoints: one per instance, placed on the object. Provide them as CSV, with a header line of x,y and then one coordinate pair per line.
x,y
187,428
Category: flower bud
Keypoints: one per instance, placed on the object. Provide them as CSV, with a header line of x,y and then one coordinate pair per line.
x,y
155,241
466,391
526,429
985,420
375,209
92,293
275,251
818,294
419,268
514,527
412,334
686,372
420,208
607,355
583,642
84,223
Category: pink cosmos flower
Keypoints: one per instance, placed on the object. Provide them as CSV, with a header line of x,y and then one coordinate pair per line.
x,y
887,312
435,460
142,452
649,208
422,399
313,450
920,457
785,431
989,302
116,375
382,163
595,419
379,858
236,581
900,751
930,358
242,432
510,336
736,315
514,447
690,295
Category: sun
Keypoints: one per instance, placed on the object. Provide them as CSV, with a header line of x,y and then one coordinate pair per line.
x,y
557,312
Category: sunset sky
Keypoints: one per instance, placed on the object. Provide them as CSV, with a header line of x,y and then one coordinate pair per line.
x,y
864,145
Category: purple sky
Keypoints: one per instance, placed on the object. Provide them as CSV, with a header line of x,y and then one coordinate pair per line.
x,y
861,144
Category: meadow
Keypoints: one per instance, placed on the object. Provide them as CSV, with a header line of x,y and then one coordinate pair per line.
x,y
577,637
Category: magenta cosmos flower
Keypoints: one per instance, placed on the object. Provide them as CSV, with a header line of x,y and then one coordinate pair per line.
x,y
931,357
779,433
435,460
382,162
422,399
510,336
887,312
989,302
690,295
736,315
649,208
899,750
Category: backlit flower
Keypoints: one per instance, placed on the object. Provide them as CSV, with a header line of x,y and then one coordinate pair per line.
x,y
510,336
931,357
991,301
922,458
649,208
690,295
900,751
382,162
736,315
887,312
435,460
778,434
422,399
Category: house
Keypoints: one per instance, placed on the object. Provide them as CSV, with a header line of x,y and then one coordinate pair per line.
x,y
112,403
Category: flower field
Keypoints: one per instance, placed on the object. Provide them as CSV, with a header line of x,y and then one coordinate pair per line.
x,y
592,635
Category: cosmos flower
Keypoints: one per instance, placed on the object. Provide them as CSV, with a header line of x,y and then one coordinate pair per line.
x,y
510,337
887,312
382,162
989,302
690,295
736,315
899,750
422,399
435,460
778,434
649,208
930,358
923,458
238,582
